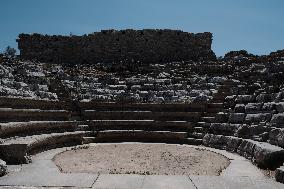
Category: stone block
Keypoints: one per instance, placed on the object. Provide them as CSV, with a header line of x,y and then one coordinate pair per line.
x,y
280,107
256,118
278,118
246,148
232,143
268,156
276,137
279,174
223,128
237,117
251,108
240,108
3,168
243,99
215,141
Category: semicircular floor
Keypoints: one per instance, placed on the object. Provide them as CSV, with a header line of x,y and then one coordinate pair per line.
x,y
142,159
44,173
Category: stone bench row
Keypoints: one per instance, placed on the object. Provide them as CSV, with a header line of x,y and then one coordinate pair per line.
x,y
261,98
148,107
261,132
10,115
17,150
36,127
20,103
25,103
146,125
140,136
253,108
141,115
263,154
275,119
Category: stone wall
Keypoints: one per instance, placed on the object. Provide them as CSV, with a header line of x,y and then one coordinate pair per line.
x,y
147,45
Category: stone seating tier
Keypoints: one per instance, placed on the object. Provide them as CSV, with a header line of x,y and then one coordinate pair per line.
x,y
12,115
35,127
28,131
17,150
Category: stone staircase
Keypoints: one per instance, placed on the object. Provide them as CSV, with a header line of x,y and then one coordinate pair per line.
x,y
170,123
30,126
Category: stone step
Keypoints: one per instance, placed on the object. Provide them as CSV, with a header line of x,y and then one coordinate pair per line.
x,y
140,136
203,124
173,107
199,129
220,96
17,150
193,141
196,135
76,118
87,140
215,105
35,127
146,125
214,110
208,119
10,115
218,100
141,115
209,114
16,103
83,128
224,90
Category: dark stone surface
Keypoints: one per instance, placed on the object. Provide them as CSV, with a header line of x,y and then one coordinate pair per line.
x,y
279,174
147,45
265,155
276,137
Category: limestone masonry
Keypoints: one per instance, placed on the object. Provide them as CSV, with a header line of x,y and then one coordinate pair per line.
x,y
181,95
146,45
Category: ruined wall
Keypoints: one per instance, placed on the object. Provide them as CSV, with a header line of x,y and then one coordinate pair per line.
x,y
113,46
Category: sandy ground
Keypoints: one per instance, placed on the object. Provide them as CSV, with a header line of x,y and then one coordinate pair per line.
x,y
141,159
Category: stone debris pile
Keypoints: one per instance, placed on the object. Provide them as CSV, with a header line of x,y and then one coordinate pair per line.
x,y
25,79
175,82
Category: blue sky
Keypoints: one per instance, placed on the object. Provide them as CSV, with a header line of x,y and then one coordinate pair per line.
x,y
254,25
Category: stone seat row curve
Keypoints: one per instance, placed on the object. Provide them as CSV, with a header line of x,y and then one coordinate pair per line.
x,y
210,124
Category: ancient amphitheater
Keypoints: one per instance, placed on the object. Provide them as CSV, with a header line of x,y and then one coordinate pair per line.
x,y
140,109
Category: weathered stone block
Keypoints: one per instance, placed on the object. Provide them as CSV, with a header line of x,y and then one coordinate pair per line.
x,y
280,107
276,136
241,99
3,168
251,108
215,141
278,118
279,174
237,117
233,143
246,148
260,117
267,155
240,108
224,128
114,46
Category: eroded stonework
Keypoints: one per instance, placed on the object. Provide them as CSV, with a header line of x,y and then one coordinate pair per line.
x,y
147,45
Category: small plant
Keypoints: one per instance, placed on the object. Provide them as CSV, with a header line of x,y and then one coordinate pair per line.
x,y
10,52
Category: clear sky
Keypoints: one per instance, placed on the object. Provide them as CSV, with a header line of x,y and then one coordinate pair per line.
x,y
254,25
